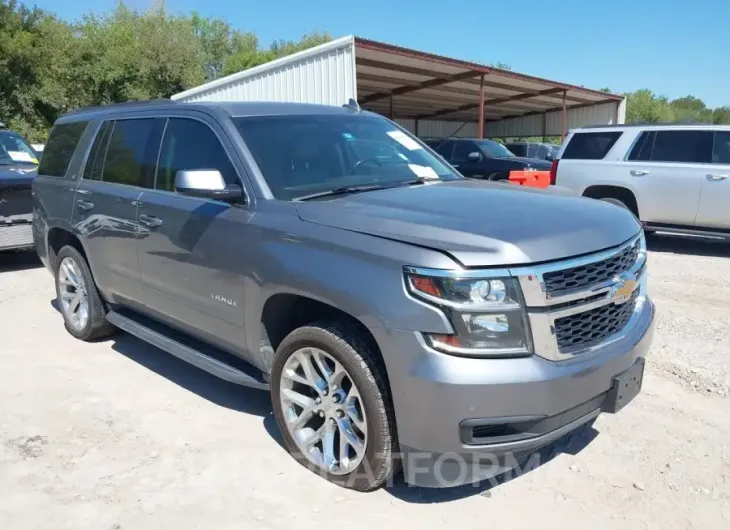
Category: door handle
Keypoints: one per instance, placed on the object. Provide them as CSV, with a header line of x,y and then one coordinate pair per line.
x,y
638,172
150,221
715,176
85,205
81,192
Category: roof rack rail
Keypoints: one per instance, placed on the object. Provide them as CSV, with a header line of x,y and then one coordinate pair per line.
x,y
140,103
647,124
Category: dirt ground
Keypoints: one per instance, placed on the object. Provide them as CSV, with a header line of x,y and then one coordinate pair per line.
x,y
118,435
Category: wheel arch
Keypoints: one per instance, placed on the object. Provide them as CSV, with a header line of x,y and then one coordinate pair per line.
x,y
604,191
283,312
59,236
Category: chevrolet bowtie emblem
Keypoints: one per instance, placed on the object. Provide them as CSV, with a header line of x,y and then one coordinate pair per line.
x,y
623,289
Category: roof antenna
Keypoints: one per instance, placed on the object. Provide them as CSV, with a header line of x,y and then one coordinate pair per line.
x,y
352,104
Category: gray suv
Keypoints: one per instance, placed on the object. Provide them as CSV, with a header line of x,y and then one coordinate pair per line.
x,y
401,316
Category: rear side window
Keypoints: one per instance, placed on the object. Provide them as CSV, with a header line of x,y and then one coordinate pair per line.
x,y
721,148
682,146
131,155
60,148
95,162
190,144
590,146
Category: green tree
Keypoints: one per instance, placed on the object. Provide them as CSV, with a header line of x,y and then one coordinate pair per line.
x,y
643,106
691,109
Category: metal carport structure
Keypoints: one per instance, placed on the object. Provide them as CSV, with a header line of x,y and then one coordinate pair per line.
x,y
428,94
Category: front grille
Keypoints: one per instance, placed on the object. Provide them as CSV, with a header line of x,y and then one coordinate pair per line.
x,y
591,274
16,236
15,202
593,326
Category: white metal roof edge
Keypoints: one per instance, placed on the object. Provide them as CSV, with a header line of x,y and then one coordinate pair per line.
x,y
304,54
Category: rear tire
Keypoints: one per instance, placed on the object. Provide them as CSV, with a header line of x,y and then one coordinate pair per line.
x,y
316,410
80,304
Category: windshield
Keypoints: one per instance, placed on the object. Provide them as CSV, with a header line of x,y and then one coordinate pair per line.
x,y
302,155
15,150
494,149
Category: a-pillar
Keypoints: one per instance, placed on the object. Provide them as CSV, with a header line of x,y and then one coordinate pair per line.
x,y
481,107
564,119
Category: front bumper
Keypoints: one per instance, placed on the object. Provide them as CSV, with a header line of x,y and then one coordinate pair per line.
x,y
439,399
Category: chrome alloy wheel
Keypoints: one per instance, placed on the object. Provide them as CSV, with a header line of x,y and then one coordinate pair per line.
x,y
72,291
323,411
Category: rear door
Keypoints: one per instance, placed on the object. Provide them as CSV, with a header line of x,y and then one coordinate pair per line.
x,y
193,251
55,185
667,169
714,206
120,165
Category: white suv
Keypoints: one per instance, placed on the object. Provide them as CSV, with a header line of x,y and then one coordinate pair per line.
x,y
672,177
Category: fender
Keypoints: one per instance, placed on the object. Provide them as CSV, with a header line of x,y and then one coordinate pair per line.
x,y
339,268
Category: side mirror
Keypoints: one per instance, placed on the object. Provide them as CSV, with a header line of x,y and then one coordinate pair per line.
x,y
206,183
474,156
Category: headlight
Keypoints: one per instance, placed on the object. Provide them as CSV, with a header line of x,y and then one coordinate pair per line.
x,y
474,294
486,313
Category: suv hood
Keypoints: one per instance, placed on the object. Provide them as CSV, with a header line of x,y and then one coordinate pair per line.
x,y
16,176
480,223
534,163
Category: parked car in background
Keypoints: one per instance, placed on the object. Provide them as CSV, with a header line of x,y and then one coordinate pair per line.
x,y
483,159
671,177
390,306
18,163
537,150
38,147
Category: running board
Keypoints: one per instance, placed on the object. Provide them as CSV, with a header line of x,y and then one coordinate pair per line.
x,y
186,353
669,229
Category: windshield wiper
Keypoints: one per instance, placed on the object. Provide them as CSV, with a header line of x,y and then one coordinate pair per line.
x,y
344,190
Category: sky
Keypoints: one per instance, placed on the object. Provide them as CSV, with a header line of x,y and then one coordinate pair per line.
x,y
672,48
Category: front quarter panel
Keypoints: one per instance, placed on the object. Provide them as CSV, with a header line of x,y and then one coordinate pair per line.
x,y
356,273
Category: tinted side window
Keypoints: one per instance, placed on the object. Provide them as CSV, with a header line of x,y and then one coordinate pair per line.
x,y
95,162
517,149
643,146
132,152
444,149
462,150
682,146
590,146
721,148
190,144
60,148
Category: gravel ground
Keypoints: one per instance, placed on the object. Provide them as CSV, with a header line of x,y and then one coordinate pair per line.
x,y
118,435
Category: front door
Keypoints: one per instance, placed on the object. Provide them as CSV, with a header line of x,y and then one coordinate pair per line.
x,y
714,206
120,165
193,254
469,167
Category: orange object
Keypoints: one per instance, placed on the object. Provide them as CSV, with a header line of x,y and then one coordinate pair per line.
x,y
534,179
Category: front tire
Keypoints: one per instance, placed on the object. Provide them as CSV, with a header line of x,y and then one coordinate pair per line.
x,y
80,303
333,407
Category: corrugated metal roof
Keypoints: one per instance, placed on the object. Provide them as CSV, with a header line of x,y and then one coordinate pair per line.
x,y
410,84
323,74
